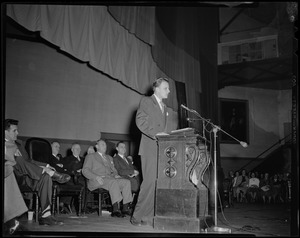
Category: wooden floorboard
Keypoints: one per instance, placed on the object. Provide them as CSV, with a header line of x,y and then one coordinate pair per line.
x,y
245,219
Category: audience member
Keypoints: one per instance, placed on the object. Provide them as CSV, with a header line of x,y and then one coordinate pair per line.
x,y
283,191
276,187
73,163
124,166
99,169
242,185
56,159
231,178
39,175
235,185
262,175
231,175
14,205
227,188
91,150
265,186
253,188
73,166
151,120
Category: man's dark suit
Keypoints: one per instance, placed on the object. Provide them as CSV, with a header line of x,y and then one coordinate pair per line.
x,y
70,165
125,169
33,176
150,120
54,161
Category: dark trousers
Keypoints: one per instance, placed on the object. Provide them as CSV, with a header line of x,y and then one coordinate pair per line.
x,y
32,176
144,209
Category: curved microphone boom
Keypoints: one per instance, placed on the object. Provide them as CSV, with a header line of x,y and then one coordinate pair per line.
x,y
216,128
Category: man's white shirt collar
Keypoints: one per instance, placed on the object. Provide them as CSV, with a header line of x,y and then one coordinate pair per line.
x,y
158,100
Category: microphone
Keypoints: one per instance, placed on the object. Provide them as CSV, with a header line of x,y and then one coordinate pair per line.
x,y
190,119
244,144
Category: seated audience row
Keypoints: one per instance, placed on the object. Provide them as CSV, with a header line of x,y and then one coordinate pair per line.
x,y
258,186
70,165
73,164
68,171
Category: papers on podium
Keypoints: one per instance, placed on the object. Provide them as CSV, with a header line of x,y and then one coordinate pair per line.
x,y
183,130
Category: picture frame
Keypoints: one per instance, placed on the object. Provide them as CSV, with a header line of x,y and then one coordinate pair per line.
x,y
234,119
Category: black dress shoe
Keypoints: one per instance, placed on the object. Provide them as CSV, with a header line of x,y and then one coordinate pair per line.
x,y
135,222
117,214
127,212
48,221
60,178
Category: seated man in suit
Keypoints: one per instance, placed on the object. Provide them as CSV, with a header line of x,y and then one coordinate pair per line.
x,y
99,169
56,160
38,175
124,166
14,204
72,165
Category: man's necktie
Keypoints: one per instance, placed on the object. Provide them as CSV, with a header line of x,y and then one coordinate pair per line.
x,y
103,156
162,106
124,158
18,153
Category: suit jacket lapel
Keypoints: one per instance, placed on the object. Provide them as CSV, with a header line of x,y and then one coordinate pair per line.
x,y
156,105
159,113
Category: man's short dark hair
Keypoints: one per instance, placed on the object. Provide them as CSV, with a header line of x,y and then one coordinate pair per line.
x,y
120,142
9,122
104,140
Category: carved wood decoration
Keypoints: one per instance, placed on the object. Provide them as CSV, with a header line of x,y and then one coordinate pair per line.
x,y
181,198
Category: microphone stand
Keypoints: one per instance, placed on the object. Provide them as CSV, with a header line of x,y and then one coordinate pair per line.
x,y
215,130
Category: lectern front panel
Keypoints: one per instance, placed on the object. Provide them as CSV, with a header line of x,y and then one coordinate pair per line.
x,y
181,200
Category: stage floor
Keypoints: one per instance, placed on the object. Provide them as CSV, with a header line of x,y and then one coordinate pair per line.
x,y
242,219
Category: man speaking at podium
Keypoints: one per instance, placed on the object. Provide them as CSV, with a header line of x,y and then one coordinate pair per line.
x,y
151,120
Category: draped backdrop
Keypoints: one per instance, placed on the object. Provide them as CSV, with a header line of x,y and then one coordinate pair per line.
x,y
134,45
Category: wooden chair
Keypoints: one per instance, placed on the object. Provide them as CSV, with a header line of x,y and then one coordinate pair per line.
x,y
60,190
102,195
39,149
35,197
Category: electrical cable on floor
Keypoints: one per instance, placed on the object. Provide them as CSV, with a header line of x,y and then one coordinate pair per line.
x,y
246,228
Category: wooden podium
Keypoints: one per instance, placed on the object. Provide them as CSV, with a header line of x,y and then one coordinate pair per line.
x,y
181,199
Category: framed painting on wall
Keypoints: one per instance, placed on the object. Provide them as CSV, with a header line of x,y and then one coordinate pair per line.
x,y
234,119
